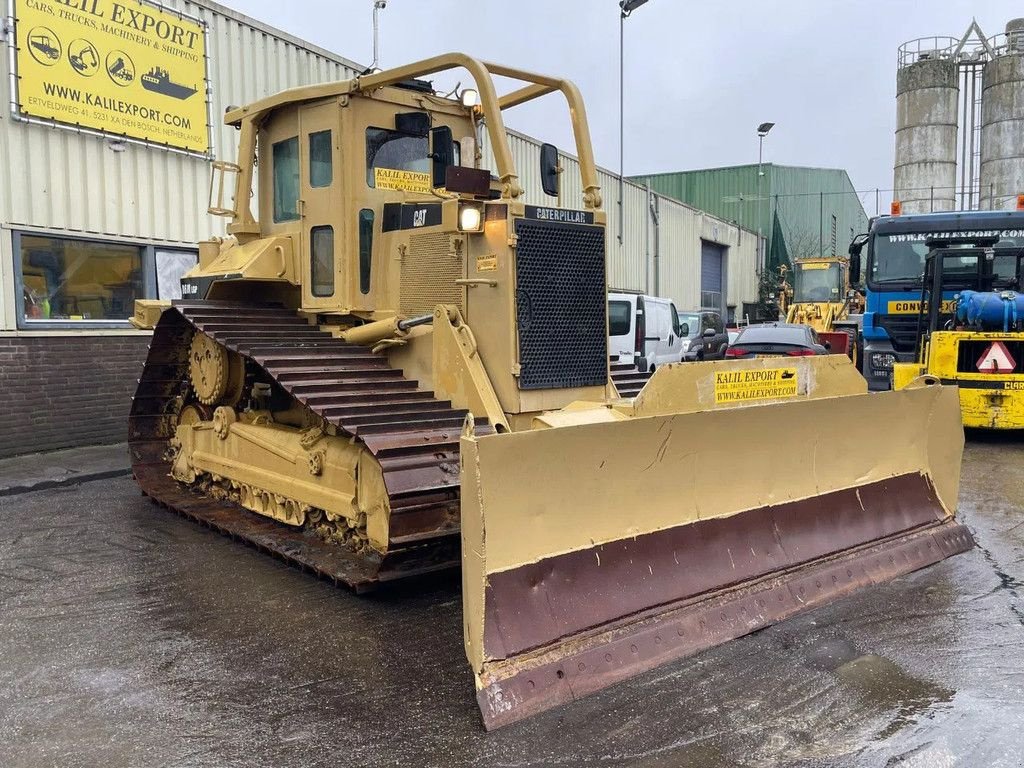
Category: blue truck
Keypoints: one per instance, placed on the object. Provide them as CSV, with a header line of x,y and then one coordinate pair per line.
x,y
893,270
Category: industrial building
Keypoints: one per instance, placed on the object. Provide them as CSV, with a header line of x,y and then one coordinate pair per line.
x,y
960,121
801,211
108,140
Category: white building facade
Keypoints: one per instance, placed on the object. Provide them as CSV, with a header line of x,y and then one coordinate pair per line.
x,y
91,220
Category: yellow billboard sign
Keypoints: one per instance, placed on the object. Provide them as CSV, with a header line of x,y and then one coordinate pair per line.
x,y
119,66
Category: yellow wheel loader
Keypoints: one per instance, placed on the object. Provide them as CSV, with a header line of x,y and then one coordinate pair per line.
x,y
978,345
823,298
395,365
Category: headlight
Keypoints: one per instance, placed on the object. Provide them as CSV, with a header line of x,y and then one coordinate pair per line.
x,y
882,359
470,217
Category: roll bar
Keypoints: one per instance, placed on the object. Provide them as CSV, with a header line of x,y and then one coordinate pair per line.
x,y
248,119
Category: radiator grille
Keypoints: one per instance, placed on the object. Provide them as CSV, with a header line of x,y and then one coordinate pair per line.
x,y
561,305
429,271
902,329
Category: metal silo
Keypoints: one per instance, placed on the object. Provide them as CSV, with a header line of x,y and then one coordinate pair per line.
x,y
927,92
1002,120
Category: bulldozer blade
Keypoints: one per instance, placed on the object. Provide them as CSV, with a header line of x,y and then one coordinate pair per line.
x,y
593,552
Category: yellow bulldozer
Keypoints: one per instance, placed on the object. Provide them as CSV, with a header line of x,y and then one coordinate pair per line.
x,y
823,298
395,365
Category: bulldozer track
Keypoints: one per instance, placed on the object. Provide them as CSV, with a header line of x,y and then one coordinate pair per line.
x,y
413,436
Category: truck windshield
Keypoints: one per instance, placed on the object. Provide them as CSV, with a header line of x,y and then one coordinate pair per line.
x,y
818,282
898,258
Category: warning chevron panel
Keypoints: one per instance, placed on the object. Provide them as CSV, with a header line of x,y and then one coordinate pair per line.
x,y
996,359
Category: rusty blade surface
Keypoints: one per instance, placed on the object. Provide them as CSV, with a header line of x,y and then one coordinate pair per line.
x,y
414,436
547,677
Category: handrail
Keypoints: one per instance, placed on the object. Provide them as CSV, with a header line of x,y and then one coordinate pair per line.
x,y
248,119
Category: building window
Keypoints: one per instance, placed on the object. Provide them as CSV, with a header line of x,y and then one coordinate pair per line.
x,y
320,171
321,262
170,266
74,282
286,179
79,279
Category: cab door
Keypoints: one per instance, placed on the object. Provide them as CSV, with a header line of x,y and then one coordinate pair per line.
x,y
320,207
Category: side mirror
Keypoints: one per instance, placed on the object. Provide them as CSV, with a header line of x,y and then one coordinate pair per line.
x,y
709,333
684,330
855,248
442,154
855,267
549,169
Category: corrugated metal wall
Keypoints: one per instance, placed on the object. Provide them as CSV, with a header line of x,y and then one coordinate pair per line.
x,y
631,264
806,200
56,179
60,180
78,183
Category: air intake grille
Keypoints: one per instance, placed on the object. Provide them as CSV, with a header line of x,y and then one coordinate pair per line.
x,y
561,305
429,271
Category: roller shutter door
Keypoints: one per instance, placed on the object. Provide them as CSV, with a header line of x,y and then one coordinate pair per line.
x,y
712,261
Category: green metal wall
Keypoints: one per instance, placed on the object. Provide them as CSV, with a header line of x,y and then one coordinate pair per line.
x,y
797,202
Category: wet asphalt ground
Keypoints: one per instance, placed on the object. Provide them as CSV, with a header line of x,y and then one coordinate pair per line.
x,y
132,637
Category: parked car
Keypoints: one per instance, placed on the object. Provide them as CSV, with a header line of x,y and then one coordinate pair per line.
x,y
779,339
643,330
705,337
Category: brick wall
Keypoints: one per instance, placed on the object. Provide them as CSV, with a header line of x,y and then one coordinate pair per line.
x,y
65,391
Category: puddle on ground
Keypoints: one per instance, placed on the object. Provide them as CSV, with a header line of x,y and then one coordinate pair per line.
x,y
880,682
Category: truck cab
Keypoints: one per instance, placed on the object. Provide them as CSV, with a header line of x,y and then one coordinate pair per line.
x,y
893,271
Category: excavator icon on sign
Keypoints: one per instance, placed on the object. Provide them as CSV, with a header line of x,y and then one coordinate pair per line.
x,y
83,57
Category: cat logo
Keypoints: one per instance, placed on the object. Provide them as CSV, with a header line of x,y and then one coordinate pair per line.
x,y
419,217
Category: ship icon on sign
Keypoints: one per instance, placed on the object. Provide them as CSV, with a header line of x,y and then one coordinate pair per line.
x,y
158,80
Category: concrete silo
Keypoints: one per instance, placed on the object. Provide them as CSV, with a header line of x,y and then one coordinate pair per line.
x,y
1002,121
927,93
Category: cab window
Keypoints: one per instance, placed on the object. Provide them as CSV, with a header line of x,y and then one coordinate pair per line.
x,y
365,248
396,151
286,179
321,262
320,171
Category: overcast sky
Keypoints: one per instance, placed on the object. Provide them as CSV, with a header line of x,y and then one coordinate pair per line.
x,y
699,76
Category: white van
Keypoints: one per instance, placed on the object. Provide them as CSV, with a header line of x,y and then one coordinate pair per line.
x,y
643,330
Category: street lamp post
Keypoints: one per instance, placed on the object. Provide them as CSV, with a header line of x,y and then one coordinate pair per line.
x,y
626,7
762,131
